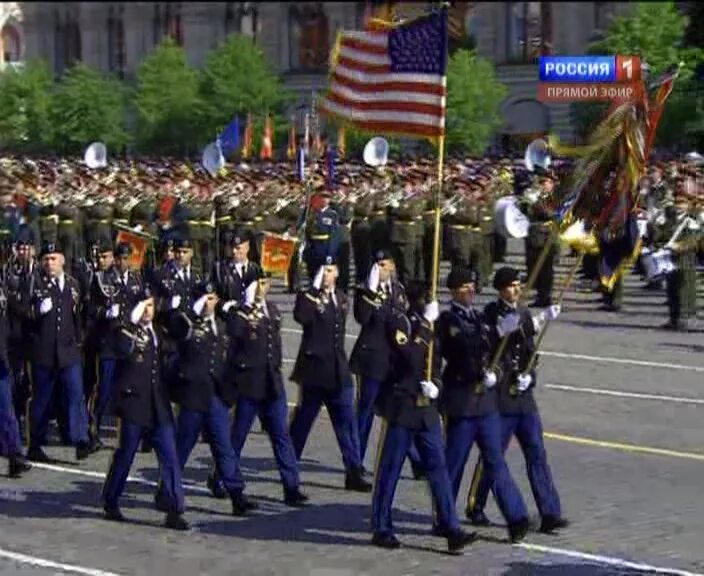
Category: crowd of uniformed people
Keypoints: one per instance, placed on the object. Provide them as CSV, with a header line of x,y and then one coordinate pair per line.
x,y
188,347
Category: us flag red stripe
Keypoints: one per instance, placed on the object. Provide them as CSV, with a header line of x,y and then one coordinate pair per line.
x,y
392,79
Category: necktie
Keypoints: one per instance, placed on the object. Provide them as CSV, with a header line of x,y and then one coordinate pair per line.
x,y
213,327
152,334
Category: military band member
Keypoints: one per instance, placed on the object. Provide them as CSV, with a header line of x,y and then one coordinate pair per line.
x,y
517,406
113,294
469,401
322,372
142,406
360,236
256,333
405,222
410,416
56,336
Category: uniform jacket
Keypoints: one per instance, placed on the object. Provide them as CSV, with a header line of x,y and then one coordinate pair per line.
x,y
56,336
17,280
464,345
371,355
514,359
229,284
139,395
203,364
321,361
399,398
324,233
257,345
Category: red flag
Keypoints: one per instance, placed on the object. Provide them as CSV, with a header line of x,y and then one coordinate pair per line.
x,y
267,140
166,206
291,150
248,136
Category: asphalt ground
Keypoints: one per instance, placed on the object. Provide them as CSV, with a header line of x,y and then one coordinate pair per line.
x,y
622,404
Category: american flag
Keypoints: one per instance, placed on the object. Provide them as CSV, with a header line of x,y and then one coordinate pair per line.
x,y
390,79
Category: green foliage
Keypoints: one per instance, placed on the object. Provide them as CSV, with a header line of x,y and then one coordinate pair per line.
x,y
25,97
237,79
168,104
88,106
655,32
473,99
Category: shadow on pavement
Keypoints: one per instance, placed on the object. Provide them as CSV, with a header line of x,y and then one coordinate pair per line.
x,y
572,569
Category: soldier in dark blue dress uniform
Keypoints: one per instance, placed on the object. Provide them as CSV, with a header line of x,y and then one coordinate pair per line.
x,y
235,272
408,403
256,331
322,372
323,235
517,406
143,408
469,402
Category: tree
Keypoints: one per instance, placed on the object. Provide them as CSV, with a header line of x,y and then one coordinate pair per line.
x,y
473,99
168,105
25,95
655,32
88,106
236,80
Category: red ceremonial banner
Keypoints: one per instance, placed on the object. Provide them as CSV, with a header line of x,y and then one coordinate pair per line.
x,y
277,252
139,248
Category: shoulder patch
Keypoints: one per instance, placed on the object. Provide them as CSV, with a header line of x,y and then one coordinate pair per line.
x,y
454,331
401,338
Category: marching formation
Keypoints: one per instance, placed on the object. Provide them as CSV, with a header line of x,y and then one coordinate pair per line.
x,y
136,290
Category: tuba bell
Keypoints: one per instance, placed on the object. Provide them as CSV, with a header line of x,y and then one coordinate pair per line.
x,y
212,159
376,152
537,155
96,156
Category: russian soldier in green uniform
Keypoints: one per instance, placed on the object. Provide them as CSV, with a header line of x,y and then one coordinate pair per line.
x,y
406,230
360,236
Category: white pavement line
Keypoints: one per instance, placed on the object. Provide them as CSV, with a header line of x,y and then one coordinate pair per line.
x,y
102,476
624,394
607,359
608,560
41,562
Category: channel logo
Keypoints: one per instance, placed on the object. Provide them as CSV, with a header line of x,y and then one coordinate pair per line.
x,y
589,69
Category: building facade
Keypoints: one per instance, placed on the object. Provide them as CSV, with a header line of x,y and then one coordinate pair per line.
x,y
297,37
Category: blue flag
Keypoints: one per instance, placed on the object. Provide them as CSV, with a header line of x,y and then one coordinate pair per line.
x,y
229,140
301,164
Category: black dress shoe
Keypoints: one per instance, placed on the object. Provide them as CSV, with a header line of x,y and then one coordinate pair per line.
x,y
18,466
518,530
146,447
216,488
176,521
241,505
550,524
418,472
383,540
295,499
113,514
37,455
355,483
458,540
477,518
83,450
438,531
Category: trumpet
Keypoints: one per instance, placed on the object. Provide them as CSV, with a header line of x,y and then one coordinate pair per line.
x,y
449,206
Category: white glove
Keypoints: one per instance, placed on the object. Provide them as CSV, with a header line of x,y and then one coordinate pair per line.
x,y
394,204
524,381
250,293
227,305
137,312
553,311
46,305
175,301
508,324
113,312
373,280
318,280
490,379
452,210
432,311
429,389
198,305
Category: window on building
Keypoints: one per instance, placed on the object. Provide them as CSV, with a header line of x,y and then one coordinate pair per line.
x,y
116,40
11,44
233,18
528,30
67,41
309,44
167,21
602,15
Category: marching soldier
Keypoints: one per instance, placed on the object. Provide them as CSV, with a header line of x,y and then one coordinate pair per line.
x,y
322,372
54,309
408,404
256,333
344,212
204,391
519,412
232,275
142,405
113,295
469,401
322,235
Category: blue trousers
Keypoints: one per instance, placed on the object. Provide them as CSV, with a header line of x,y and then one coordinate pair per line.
x,y
102,393
163,440
340,406
395,442
367,393
217,425
9,428
528,429
72,402
461,433
273,413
